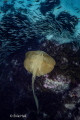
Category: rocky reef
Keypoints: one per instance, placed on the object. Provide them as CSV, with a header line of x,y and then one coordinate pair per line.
x,y
57,92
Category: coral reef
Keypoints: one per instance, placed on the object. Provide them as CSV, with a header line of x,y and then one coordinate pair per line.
x,y
58,89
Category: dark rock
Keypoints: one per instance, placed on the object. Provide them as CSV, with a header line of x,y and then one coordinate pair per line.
x,y
48,5
67,21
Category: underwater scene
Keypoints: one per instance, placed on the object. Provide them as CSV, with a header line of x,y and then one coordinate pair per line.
x,y
39,59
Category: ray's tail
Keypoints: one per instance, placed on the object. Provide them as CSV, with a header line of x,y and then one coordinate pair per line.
x,y
35,97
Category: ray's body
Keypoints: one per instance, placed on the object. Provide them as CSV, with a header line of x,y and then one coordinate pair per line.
x,y
38,63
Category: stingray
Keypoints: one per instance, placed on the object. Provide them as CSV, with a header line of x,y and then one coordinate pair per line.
x,y
38,63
